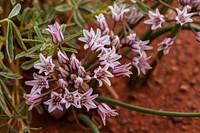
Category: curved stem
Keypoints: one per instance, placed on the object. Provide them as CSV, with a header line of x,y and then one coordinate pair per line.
x,y
89,123
167,5
147,110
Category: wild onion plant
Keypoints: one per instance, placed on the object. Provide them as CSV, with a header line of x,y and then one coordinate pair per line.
x,y
72,58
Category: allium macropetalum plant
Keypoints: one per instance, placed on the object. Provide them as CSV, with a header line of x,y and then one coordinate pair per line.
x,y
77,64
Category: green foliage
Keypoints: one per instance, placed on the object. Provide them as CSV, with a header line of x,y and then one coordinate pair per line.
x,y
9,42
15,11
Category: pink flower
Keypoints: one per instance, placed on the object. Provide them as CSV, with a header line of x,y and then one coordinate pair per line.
x,y
56,32
141,63
183,17
103,24
198,36
54,102
74,62
185,2
165,45
102,74
135,16
64,71
94,41
45,65
81,71
87,98
156,19
32,100
115,41
62,58
63,84
71,98
109,58
78,81
118,11
140,46
104,110
123,70
38,83
196,4
131,39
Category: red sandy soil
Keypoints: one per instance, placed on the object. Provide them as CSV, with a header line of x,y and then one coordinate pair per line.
x,y
174,86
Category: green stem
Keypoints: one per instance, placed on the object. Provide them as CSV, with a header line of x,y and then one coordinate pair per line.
x,y
4,20
147,110
88,122
166,5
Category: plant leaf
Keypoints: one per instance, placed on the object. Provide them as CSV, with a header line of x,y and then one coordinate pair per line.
x,y
9,42
79,19
10,75
15,11
29,51
38,32
18,36
3,103
70,50
39,109
141,6
32,41
1,56
63,8
28,64
72,36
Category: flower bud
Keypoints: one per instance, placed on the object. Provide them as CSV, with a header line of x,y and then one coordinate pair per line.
x,y
185,2
62,58
56,32
63,84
